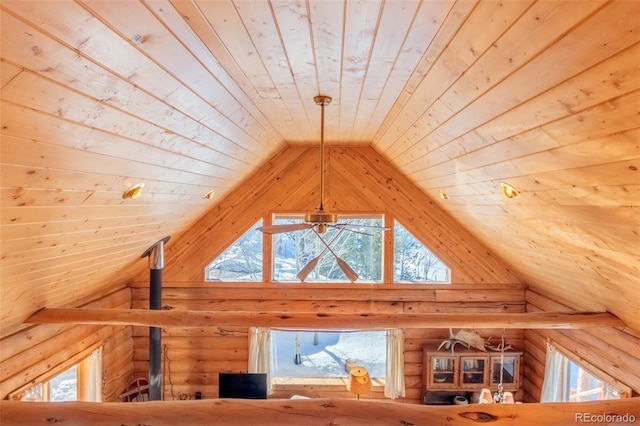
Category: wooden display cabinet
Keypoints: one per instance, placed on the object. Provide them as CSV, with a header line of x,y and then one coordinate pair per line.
x,y
510,371
470,370
443,371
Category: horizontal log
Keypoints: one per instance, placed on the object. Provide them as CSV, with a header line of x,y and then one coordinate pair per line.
x,y
334,292
340,307
310,412
364,321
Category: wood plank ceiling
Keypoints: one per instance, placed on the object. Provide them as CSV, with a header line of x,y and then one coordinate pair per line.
x,y
189,96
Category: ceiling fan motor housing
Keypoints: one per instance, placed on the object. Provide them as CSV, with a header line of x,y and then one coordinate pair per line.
x,y
321,218
322,100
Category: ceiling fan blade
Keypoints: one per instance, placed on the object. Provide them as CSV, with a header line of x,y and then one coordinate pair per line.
x,y
348,270
306,270
277,229
352,225
351,230
344,266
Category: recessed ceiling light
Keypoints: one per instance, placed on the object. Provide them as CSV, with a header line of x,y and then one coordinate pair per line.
x,y
209,195
133,192
509,191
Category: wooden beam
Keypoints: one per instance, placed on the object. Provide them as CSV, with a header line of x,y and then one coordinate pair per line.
x,y
312,412
369,321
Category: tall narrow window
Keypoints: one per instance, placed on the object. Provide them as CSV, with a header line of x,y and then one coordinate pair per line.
x,y
242,261
64,387
361,248
413,262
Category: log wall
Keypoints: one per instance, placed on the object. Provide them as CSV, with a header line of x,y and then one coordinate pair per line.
x,y
40,352
616,352
193,357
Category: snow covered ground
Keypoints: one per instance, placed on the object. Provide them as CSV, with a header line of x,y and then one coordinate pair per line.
x,y
327,358
64,387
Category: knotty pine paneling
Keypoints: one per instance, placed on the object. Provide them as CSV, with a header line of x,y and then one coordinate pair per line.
x,y
42,351
81,122
358,180
545,141
192,96
193,357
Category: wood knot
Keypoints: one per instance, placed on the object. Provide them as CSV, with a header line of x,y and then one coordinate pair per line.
x,y
479,416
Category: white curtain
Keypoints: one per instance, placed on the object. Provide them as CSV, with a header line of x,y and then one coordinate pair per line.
x,y
94,377
555,383
394,377
260,353
34,393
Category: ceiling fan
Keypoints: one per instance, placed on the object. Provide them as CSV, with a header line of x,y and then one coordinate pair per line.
x,y
319,220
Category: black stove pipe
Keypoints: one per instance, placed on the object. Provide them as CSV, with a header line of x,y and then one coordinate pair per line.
x,y
156,265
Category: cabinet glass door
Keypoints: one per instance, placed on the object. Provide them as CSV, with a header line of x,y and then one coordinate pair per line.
x,y
443,371
473,372
508,370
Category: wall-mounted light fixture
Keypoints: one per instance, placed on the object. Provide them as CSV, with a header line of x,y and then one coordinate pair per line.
x,y
209,195
133,192
509,191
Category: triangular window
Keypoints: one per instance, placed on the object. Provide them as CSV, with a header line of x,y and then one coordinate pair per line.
x,y
242,261
413,262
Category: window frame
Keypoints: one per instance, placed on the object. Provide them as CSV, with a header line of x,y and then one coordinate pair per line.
x,y
80,360
297,215
397,222
387,250
624,390
252,228
282,381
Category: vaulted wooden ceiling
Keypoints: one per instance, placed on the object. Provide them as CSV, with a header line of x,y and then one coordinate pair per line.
x,y
189,96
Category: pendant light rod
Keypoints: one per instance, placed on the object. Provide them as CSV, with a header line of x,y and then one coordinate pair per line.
x,y
322,101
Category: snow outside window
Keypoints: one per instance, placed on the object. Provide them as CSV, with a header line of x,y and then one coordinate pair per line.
x,y
567,381
415,263
362,250
242,261
308,354
80,382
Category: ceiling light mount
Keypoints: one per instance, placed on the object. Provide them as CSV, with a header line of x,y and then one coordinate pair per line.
x,y
134,192
319,220
322,100
509,191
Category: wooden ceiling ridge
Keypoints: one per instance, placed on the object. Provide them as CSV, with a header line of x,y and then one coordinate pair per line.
x,y
191,318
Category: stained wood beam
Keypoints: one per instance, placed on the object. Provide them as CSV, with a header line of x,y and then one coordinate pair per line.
x,y
312,412
369,321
